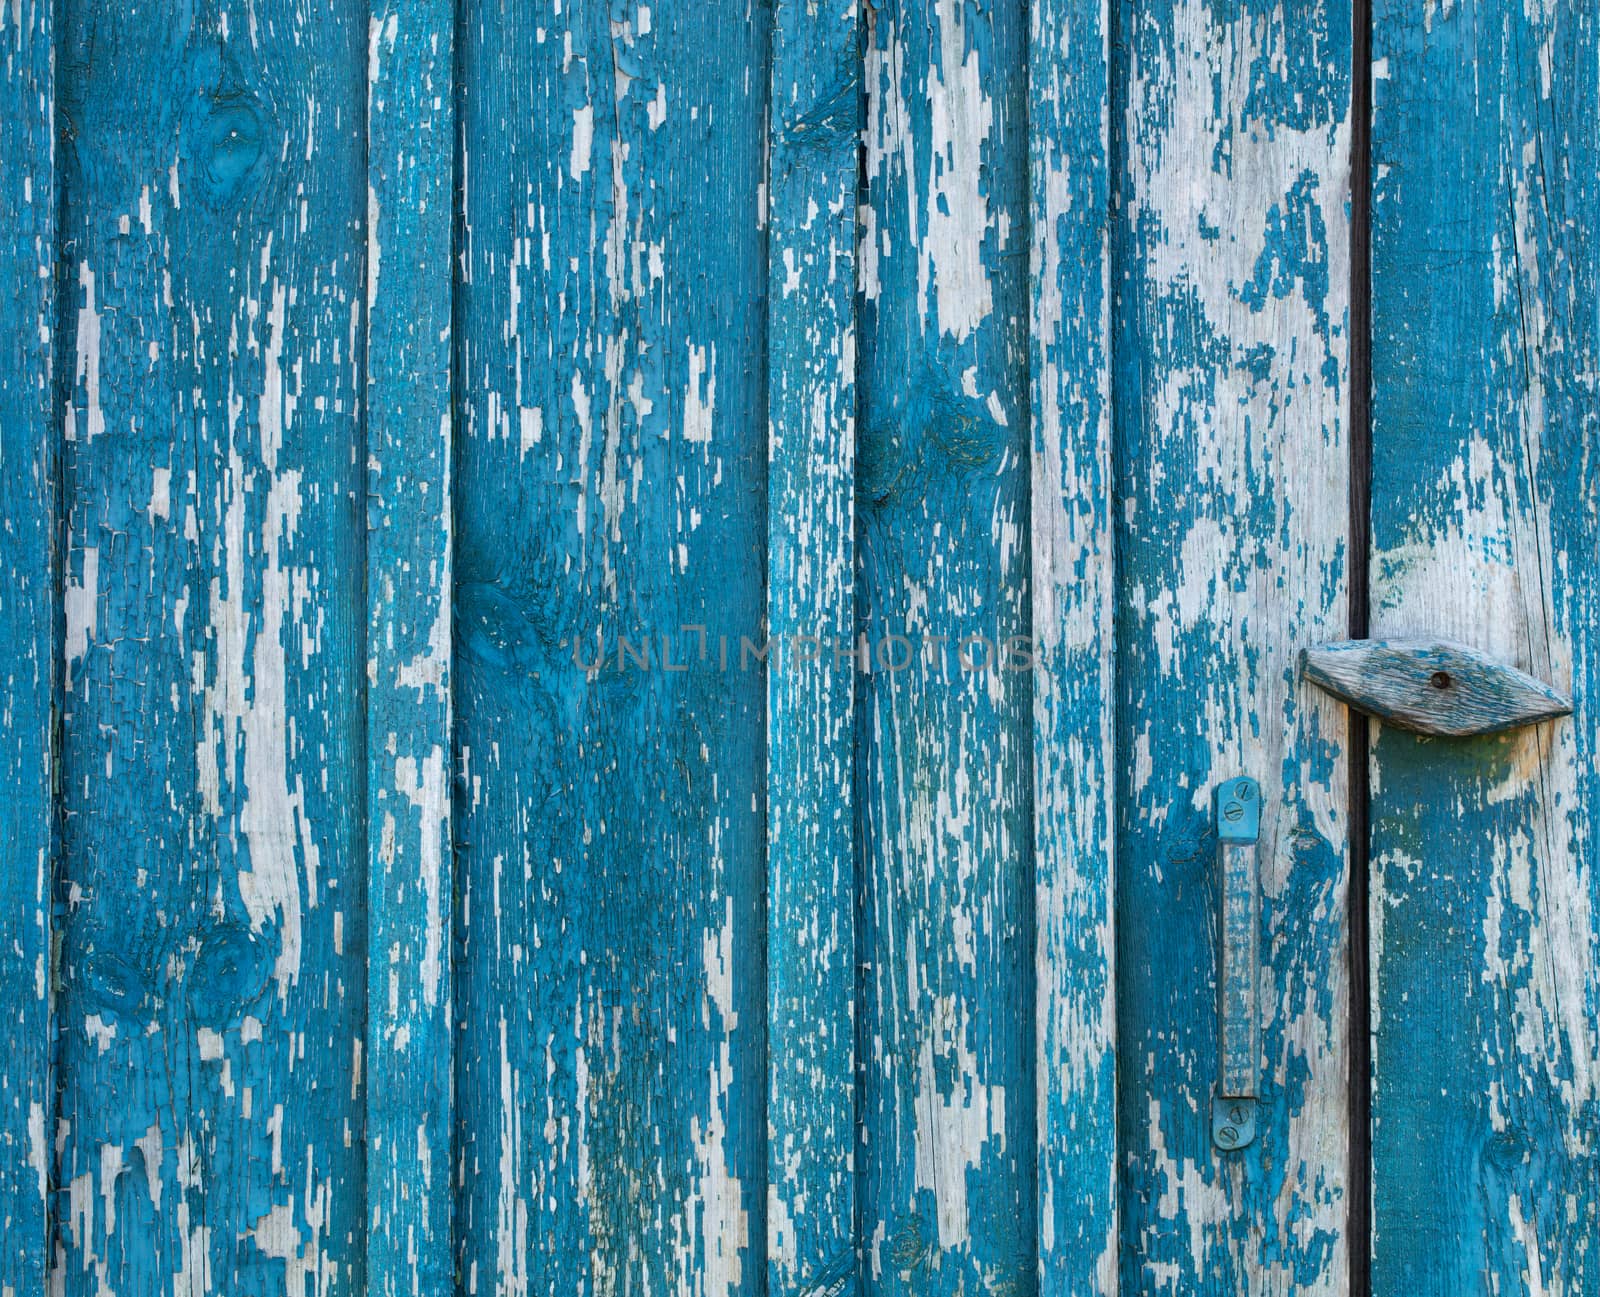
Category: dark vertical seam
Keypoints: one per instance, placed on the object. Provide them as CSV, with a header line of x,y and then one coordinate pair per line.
x,y
452,1225
1359,1240
57,387
1111,799
1115,156
455,1033
857,801
1029,901
363,520
763,465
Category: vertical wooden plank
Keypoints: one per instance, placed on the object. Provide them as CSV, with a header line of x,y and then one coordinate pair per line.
x,y
945,738
29,609
815,128
610,487
410,211
212,965
1486,469
1232,245
1074,751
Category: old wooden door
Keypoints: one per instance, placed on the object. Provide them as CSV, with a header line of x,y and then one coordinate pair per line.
x,y
622,621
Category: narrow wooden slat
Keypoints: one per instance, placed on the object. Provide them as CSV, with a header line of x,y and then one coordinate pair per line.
x,y
213,949
1074,753
1486,467
944,752
410,143
811,898
611,484
1232,245
29,607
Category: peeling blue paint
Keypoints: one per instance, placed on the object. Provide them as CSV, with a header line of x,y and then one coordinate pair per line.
x,y
1230,258
1486,895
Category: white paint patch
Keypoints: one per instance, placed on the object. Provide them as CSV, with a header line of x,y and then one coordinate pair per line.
x,y
425,789
110,1169
961,116
100,1031
700,398
88,370
952,1129
81,603
36,1146
277,405
582,141
713,1229
160,506
530,427
152,1150
245,701
374,248
380,35
305,1271
580,406
511,1228
272,806
430,668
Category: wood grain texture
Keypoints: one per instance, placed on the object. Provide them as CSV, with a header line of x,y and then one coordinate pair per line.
x,y
29,611
811,948
1431,687
944,747
1486,469
1232,245
1073,606
610,484
213,950
409,1074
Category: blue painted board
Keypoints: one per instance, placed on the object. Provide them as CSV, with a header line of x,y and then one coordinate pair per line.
x,y
410,858
477,866
1231,245
610,498
212,863
811,940
1486,467
28,631
944,720
1074,697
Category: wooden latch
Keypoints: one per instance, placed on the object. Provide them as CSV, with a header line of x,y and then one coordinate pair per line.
x,y
1431,686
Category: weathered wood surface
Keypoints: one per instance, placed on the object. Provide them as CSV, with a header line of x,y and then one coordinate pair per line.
x,y
28,611
611,471
212,980
721,968
1232,239
1431,687
811,948
409,1076
944,752
1486,468
1073,601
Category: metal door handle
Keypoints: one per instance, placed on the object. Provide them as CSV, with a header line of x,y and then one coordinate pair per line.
x,y
1233,1106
